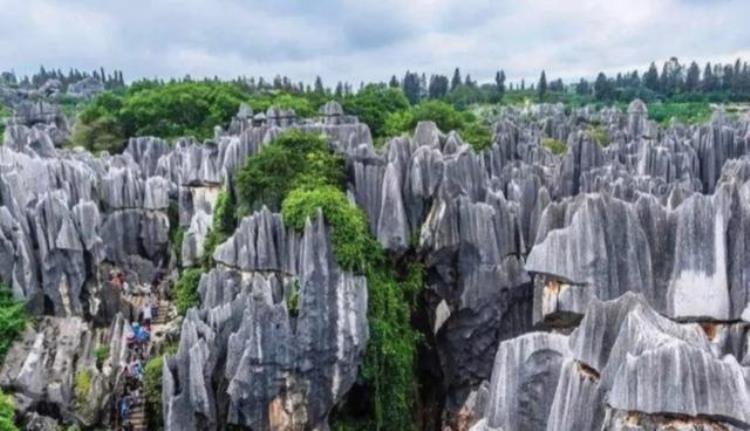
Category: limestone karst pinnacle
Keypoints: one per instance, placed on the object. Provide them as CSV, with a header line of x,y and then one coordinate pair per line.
x,y
595,289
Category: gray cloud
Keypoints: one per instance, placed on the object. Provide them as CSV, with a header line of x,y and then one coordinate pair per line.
x,y
366,39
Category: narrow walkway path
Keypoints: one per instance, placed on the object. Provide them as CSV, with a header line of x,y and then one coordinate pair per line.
x,y
133,387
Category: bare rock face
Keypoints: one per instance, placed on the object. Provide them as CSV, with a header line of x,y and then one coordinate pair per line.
x,y
516,236
525,369
54,368
281,326
619,371
86,88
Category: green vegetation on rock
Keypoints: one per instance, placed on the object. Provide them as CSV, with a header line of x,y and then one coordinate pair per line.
x,y
222,227
187,289
82,385
7,413
684,112
374,103
295,159
445,116
292,299
152,390
315,183
168,111
556,146
599,135
13,319
352,244
102,354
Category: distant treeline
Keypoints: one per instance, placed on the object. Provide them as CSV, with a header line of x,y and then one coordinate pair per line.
x,y
111,81
672,81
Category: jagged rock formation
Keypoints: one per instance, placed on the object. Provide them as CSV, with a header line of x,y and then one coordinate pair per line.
x,y
86,88
636,249
627,367
55,360
278,368
67,216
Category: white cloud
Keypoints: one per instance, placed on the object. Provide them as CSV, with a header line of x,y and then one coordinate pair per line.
x,y
367,39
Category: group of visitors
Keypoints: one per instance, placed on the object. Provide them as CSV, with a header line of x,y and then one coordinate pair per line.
x,y
138,337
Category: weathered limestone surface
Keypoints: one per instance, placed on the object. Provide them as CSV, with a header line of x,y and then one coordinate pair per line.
x,y
278,367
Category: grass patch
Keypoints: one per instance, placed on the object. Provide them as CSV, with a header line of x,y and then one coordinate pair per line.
x,y
684,112
292,300
599,135
82,385
13,319
556,146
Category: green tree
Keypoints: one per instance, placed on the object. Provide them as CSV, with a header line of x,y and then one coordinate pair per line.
x,y
541,88
651,78
500,83
438,87
294,158
456,81
411,87
693,77
603,88
373,104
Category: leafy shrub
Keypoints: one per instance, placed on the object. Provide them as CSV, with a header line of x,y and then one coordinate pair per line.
x,y
599,135
292,300
214,237
152,375
303,107
102,353
82,385
446,117
176,242
180,109
293,159
7,413
477,135
373,103
100,134
388,368
13,319
556,146
351,240
685,112
187,289
222,227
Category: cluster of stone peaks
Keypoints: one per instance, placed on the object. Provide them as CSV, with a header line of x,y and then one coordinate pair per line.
x,y
607,287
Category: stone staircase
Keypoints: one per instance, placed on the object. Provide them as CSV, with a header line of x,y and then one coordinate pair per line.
x,y
137,418
164,314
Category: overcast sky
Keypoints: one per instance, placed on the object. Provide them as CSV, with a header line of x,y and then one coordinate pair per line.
x,y
367,39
